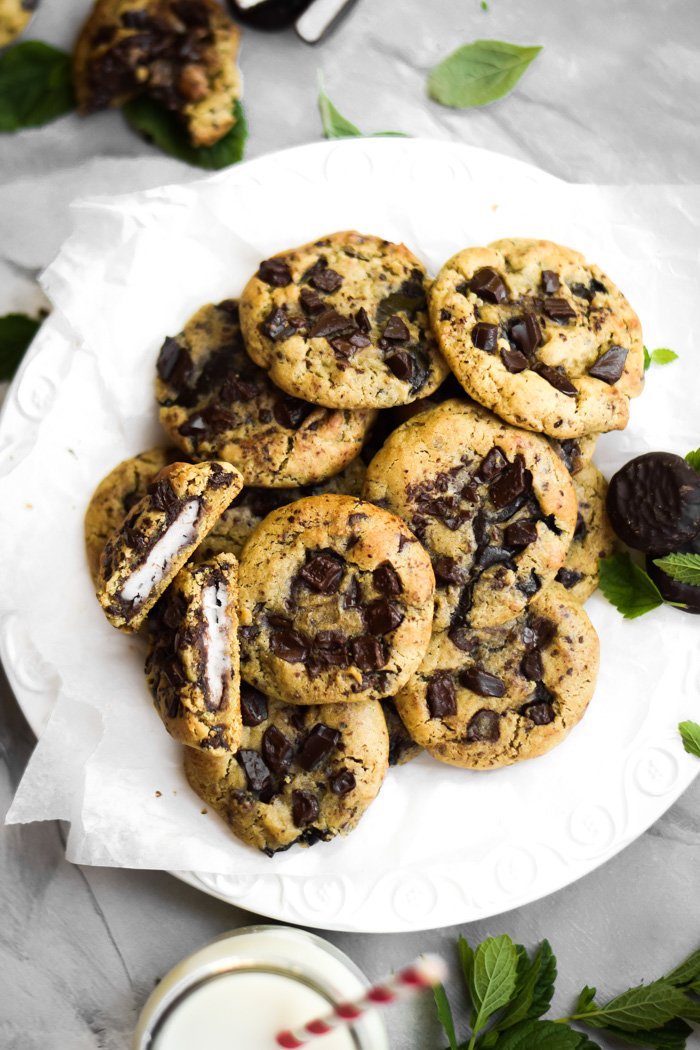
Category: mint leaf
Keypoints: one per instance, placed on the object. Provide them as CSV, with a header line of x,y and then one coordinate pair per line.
x,y
543,1035
647,359
444,1013
689,970
645,1007
534,987
690,735
585,999
694,459
478,73
663,356
164,130
466,960
336,126
16,333
627,586
36,85
671,1036
682,567
494,976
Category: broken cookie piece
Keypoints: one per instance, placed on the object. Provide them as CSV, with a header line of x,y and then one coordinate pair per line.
x,y
158,536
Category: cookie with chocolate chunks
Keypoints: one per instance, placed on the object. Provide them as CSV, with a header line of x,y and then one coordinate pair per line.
x,y
540,336
493,505
402,746
192,667
349,329
180,53
216,403
488,698
158,535
114,497
336,602
302,775
593,536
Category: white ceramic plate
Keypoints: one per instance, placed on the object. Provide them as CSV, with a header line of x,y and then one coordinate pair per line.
x,y
522,832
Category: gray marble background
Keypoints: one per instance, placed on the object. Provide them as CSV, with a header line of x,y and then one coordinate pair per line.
x,y
613,97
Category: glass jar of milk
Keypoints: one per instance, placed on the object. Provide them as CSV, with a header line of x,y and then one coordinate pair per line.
x,y
239,991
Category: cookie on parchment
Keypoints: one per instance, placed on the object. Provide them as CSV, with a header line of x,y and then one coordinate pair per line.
x,y
302,774
540,336
158,535
181,53
192,666
492,504
216,403
489,698
593,537
336,602
343,322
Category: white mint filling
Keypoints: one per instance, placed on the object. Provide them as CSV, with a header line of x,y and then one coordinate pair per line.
x,y
181,533
218,664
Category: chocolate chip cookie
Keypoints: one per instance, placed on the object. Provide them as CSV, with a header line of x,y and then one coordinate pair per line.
x,y
542,337
342,322
488,698
114,497
192,667
336,602
216,403
181,53
593,535
493,505
158,535
302,774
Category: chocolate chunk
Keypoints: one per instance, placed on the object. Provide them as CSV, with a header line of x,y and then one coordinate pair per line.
x,y
514,361
352,598
538,632
493,556
276,325
539,712
290,412
445,315
362,320
163,497
550,282
557,378
441,697
448,570
395,330
278,621
330,649
253,705
568,578
235,388
342,782
491,465
311,303
481,682
610,365
386,579
401,364
581,530
277,750
581,291
485,336
597,286
256,772
483,727
368,653
687,594
531,665
320,742
322,572
326,280
174,363
488,284
653,502
520,534
463,639
342,348
382,616
305,808
329,324
511,483
525,334
289,645
559,310
359,340
275,272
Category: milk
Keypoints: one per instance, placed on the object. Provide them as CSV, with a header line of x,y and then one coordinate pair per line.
x,y
244,988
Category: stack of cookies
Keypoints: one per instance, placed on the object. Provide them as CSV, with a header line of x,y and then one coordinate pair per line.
x,y
377,523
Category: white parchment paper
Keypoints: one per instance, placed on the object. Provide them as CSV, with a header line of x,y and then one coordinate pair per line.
x,y
134,270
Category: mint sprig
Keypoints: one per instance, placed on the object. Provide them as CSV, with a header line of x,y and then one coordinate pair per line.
x,y
336,126
682,567
36,85
164,130
627,586
661,356
690,735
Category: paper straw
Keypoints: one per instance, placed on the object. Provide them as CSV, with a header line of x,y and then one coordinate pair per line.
x,y
425,972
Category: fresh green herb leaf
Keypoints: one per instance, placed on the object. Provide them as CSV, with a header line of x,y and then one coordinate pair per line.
x,y
36,85
466,960
542,1035
336,126
494,977
663,356
690,735
478,73
585,999
694,459
444,1013
534,987
689,970
682,567
164,130
647,359
627,586
484,5
16,333
645,1007
671,1036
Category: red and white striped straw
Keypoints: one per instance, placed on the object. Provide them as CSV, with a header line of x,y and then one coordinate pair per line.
x,y
426,972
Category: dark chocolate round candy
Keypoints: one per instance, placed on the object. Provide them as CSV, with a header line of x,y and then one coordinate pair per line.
x,y
673,590
654,502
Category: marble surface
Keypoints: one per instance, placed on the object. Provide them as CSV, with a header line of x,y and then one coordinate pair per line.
x,y
612,98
